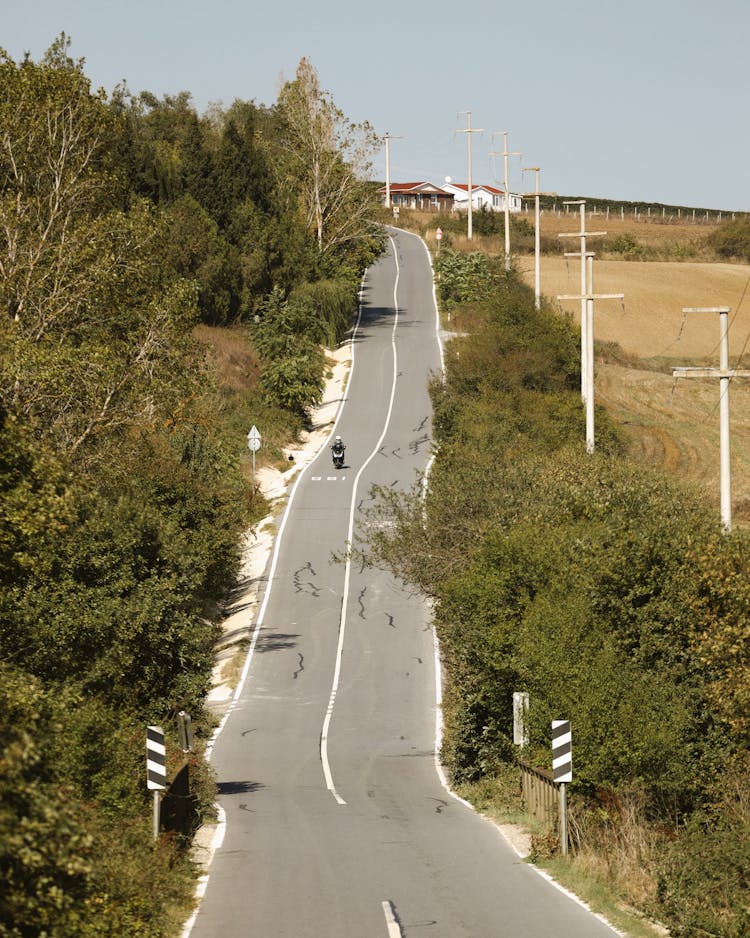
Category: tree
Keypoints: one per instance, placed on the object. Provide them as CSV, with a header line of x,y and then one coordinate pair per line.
x,y
55,176
330,156
96,334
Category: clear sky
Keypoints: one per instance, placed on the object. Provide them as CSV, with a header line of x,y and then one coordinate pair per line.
x,y
624,99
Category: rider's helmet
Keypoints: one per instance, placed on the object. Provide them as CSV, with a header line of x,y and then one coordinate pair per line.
x,y
338,439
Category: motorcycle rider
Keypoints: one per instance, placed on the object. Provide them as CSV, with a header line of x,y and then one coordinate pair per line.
x,y
337,450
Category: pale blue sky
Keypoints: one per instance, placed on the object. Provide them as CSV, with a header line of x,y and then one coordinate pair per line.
x,y
628,99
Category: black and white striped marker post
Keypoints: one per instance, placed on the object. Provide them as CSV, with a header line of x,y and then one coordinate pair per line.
x,y
562,772
156,768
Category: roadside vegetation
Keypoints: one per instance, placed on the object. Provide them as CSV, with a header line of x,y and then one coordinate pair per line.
x,y
599,585
167,280
641,237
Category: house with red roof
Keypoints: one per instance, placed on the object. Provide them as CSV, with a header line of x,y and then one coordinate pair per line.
x,y
423,196
489,198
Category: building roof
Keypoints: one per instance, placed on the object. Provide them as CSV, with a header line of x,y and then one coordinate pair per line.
x,y
414,187
464,187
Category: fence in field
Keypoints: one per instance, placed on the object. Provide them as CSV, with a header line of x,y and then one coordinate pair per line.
x,y
539,794
672,216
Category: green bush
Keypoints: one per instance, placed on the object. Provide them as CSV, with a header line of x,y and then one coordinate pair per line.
x,y
704,875
463,277
732,239
629,247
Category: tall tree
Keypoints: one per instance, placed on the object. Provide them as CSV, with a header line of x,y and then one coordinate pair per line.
x,y
329,160
54,177
95,326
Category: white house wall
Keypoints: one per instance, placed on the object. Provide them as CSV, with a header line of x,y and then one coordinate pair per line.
x,y
481,198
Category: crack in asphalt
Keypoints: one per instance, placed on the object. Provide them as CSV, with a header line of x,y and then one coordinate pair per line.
x,y
416,445
299,585
301,667
360,600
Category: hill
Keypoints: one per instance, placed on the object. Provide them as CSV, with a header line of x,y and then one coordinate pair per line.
x,y
661,264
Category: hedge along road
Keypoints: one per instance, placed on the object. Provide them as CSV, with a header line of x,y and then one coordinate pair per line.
x,y
337,821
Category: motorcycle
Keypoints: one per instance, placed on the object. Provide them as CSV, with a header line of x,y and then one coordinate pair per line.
x,y
337,452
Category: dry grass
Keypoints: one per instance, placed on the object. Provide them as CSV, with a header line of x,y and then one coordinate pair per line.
x,y
654,232
233,357
673,425
650,323
617,846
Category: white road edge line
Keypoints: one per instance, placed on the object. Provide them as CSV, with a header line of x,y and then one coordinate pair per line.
x,y
348,567
394,929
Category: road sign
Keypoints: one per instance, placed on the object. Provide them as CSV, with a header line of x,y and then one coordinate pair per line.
x,y
562,755
156,762
439,234
253,439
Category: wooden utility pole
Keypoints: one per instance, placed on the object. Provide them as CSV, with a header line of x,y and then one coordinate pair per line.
x,y
587,340
469,130
388,138
505,154
537,252
724,374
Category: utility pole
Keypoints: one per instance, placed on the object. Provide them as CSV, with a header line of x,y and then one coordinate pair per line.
x,y
469,131
388,138
537,252
582,234
505,154
724,374
587,341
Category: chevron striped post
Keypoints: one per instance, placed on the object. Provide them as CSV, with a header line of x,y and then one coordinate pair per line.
x,y
156,768
562,772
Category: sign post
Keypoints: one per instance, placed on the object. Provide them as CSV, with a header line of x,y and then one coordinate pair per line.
x,y
562,772
439,238
253,441
156,768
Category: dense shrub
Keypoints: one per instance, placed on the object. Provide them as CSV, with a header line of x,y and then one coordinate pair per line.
x,y
732,239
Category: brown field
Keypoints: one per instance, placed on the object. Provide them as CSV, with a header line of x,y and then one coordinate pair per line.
x,y
674,425
654,232
649,322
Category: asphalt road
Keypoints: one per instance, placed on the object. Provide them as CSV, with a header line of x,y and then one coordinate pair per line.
x,y
338,824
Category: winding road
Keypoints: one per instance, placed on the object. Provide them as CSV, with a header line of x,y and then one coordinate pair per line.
x,y
338,824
